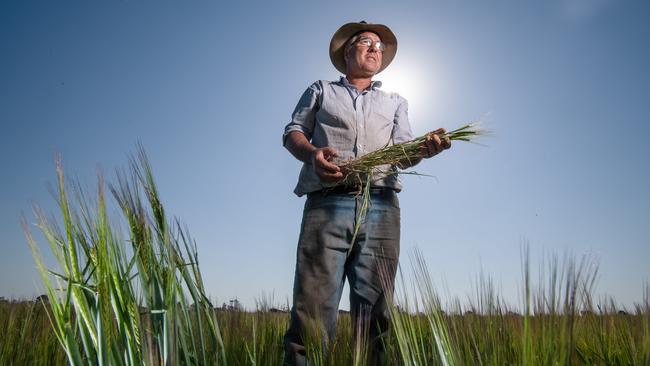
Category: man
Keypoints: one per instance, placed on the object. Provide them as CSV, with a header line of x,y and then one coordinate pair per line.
x,y
336,121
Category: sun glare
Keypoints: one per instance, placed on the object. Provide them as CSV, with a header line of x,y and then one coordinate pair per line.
x,y
400,81
409,81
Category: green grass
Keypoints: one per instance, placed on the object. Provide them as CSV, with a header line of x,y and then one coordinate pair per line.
x,y
134,300
255,338
138,299
27,337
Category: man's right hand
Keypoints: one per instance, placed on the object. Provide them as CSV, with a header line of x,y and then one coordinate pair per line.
x,y
324,169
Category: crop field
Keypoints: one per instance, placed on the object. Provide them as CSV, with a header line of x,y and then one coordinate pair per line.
x,y
255,338
137,298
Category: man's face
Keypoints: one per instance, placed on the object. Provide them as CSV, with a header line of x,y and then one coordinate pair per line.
x,y
361,60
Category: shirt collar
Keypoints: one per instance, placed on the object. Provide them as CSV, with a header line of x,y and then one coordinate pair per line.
x,y
373,84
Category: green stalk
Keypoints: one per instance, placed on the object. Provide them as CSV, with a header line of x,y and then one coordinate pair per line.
x,y
97,319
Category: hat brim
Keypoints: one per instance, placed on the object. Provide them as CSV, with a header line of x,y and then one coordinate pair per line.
x,y
343,34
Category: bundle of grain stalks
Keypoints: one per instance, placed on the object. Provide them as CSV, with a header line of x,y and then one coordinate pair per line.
x,y
359,172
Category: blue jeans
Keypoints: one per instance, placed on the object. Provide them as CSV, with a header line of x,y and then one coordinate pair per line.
x,y
324,260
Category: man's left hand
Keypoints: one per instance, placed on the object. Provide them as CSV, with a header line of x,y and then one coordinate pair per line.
x,y
434,145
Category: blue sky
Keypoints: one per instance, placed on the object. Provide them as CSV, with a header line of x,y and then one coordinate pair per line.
x,y
207,88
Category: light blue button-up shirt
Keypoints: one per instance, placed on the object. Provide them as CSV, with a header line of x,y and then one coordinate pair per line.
x,y
336,114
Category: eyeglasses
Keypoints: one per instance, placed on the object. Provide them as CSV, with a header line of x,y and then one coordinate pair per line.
x,y
369,42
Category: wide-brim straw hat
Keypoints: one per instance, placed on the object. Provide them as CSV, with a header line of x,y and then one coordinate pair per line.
x,y
341,37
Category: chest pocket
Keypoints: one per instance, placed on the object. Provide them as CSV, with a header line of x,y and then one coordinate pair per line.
x,y
384,111
336,111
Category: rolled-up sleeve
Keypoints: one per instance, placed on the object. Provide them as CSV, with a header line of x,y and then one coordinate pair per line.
x,y
401,126
303,117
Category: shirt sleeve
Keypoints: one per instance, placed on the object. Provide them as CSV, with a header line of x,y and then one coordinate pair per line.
x,y
304,116
401,126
